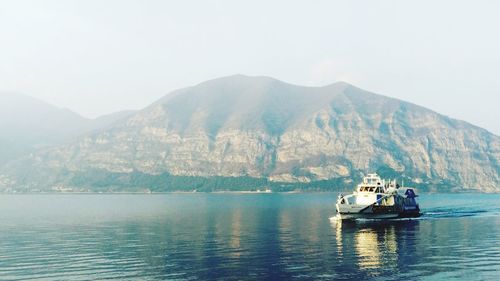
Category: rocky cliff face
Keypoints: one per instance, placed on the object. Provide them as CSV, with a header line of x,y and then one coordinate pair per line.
x,y
259,127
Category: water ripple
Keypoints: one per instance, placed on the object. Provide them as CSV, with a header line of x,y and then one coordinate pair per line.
x,y
226,238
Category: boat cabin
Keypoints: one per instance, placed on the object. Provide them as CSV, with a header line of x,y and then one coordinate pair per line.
x,y
372,184
373,189
370,190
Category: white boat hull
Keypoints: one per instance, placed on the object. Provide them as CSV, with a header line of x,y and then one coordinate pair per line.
x,y
349,212
353,216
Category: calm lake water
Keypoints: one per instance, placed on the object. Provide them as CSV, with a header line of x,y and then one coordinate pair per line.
x,y
243,237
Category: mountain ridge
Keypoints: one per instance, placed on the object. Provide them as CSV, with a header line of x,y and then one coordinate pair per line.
x,y
28,124
262,130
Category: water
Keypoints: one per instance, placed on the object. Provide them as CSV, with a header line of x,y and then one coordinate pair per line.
x,y
242,237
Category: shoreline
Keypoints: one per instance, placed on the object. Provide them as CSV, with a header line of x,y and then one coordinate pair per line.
x,y
217,192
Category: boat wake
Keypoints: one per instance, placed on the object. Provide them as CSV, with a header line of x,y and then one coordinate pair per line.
x,y
454,213
435,213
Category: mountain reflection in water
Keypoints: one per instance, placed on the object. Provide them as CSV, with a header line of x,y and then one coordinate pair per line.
x,y
242,237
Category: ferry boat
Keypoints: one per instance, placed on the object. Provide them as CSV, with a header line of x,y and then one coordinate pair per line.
x,y
374,198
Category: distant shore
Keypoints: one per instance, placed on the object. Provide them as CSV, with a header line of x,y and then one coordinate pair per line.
x,y
215,192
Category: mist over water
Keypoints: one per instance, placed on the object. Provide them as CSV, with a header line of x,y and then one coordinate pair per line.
x,y
242,237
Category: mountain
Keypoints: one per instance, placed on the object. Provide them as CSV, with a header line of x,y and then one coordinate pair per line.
x,y
28,124
104,121
248,132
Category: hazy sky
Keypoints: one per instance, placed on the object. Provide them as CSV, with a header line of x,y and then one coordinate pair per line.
x,y
96,57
